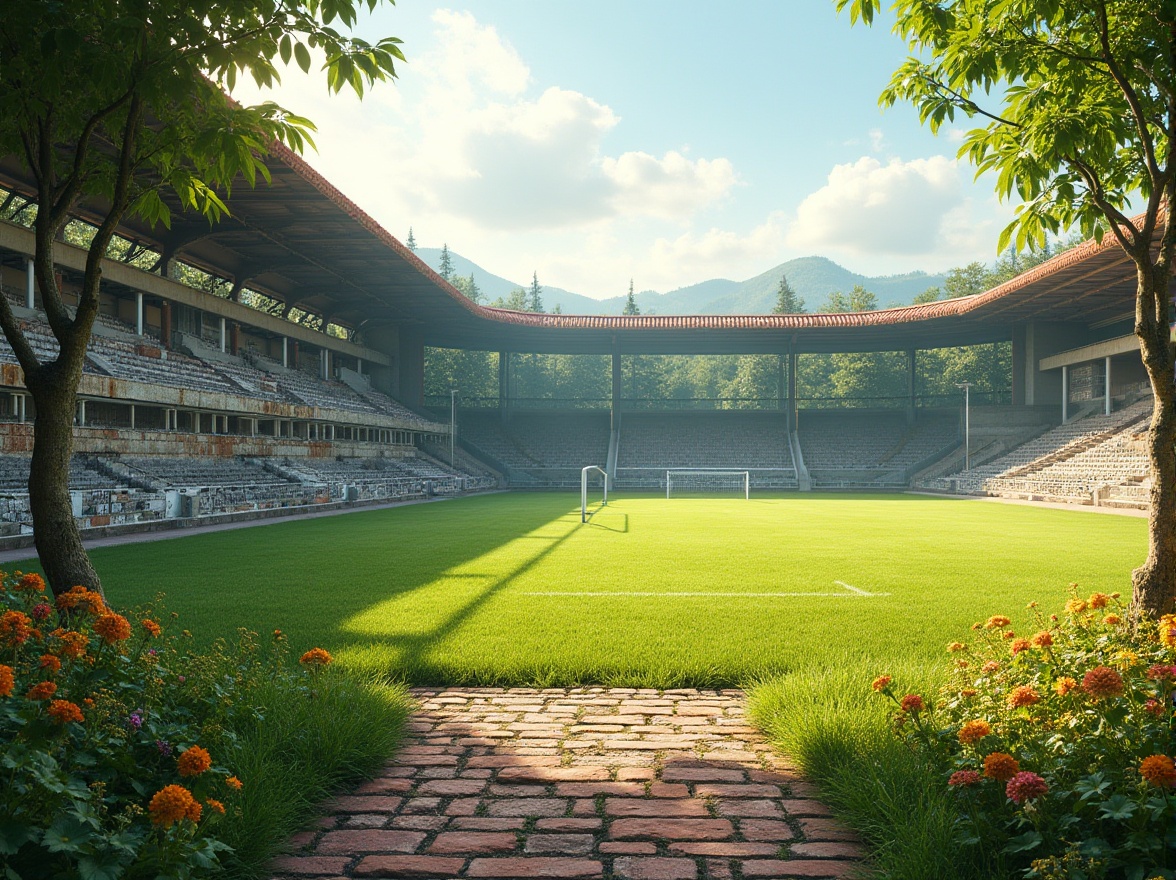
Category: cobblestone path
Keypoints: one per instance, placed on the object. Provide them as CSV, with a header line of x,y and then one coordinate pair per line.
x,y
578,783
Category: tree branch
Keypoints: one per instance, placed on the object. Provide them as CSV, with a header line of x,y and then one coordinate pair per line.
x,y
966,104
1117,219
1137,112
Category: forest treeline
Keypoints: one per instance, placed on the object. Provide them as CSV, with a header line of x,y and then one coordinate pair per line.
x,y
741,381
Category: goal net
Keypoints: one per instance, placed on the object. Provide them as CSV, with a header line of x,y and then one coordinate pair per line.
x,y
593,491
707,482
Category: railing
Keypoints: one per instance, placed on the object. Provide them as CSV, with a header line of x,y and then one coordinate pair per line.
x,y
655,477
688,404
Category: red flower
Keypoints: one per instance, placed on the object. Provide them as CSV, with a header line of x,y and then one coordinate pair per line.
x,y
1025,786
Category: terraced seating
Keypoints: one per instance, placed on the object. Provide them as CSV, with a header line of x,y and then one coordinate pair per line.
x,y
314,392
196,472
14,474
1054,463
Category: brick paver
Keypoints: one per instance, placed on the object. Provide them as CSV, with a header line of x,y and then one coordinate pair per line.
x,y
578,783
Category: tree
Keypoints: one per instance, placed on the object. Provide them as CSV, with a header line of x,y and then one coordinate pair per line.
x,y
410,242
857,300
123,106
930,295
516,300
1077,105
469,287
787,300
445,264
535,295
966,280
631,307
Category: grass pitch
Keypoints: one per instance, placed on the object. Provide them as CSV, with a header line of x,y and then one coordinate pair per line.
x,y
512,589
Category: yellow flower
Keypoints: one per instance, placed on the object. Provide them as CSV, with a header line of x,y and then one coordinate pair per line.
x,y
1064,685
1098,600
1075,606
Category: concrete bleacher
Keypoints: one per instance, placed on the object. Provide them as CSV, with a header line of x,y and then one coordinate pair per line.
x,y
1081,461
14,474
171,473
535,449
756,442
844,449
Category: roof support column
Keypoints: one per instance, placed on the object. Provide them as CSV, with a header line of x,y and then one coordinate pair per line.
x,y
165,324
505,385
30,285
286,351
412,367
912,373
781,393
139,312
1107,387
615,398
1065,394
223,336
792,405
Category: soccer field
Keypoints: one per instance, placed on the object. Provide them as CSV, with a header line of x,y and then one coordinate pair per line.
x,y
511,588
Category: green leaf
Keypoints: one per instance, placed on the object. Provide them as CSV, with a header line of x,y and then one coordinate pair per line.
x,y
1030,840
302,56
66,834
1119,808
14,835
285,48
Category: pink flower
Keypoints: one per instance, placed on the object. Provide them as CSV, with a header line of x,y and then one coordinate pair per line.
x,y
1159,672
964,777
41,610
1025,786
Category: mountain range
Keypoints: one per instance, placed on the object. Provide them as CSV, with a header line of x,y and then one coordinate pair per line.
x,y
813,278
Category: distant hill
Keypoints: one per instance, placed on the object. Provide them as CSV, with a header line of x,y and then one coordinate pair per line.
x,y
814,278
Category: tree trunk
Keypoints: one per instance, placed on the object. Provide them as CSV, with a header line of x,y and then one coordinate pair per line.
x,y
1155,581
59,543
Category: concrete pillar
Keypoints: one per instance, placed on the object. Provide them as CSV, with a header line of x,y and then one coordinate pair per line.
x,y
792,403
285,351
504,385
912,373
82,413
781,392
132,417
235,337
1065,394
165,321
23,403
1107,386
359,365
294,356
223,336
30,284
617,387
139,312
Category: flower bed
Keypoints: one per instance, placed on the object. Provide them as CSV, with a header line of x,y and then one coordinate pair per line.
x,y
115,736
1058,746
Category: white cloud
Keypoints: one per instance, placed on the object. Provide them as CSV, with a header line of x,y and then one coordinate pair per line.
x,y
712,253
871,208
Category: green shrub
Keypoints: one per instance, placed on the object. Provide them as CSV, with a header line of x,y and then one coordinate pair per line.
x,y
1057,747
126,754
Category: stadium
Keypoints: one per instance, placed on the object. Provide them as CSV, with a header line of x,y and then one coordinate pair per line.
x,y
359,618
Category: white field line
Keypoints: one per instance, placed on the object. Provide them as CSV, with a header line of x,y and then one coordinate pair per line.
x,y
855,593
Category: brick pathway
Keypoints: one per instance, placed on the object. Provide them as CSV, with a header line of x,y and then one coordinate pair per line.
x,y
584,782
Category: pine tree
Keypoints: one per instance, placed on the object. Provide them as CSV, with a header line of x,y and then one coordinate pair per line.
x,y
445,266
787,302
472,290
535,296
631,307
410,242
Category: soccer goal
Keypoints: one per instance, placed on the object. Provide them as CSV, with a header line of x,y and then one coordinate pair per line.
x,y
587,476
707,482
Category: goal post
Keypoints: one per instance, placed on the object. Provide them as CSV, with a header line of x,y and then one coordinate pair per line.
x,y
707,481
585,476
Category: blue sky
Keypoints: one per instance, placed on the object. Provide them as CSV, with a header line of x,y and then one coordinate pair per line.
x,y
665,142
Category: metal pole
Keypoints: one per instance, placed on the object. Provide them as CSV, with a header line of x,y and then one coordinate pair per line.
x,y
452,421
967,386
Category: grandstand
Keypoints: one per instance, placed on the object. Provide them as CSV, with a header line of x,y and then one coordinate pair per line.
x,y
310,390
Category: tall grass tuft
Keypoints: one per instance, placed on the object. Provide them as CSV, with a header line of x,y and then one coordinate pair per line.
x,y
299,751
837,732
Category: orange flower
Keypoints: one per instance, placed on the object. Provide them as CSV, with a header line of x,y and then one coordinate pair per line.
x,y
956,647
1020,645
7,681
42,690
1168,630
1043,639
990,667
112,627
81,599
63,711
1098,600
1001,767
214,804
968,693
974,731
234,783
1112,620
1102,682
1023,697
48,661
73,644
997,622
315,657
153,628
15,628
31,583
171,804
1075,606
193,761
1064,685
881,683
1159,770
912,703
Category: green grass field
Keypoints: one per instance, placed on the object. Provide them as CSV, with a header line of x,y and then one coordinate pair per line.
x,y
511,588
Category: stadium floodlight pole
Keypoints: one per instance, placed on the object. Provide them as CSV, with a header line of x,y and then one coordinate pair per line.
x,y
452,421
967,386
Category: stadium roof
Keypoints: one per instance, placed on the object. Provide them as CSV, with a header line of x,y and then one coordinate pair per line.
x,y
301,240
